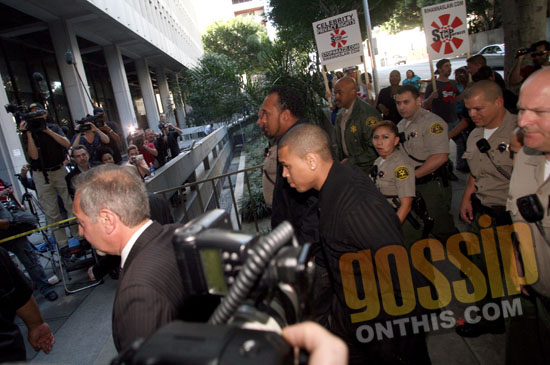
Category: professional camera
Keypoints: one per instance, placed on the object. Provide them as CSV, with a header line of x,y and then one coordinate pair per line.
x,y
265,283
35,120
84,127
524,51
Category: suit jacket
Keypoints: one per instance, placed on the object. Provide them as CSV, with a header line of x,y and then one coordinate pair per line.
x,y
150,292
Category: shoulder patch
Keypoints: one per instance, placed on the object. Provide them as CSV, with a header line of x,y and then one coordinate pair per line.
x,y
436,128
353,129
401,173
371,121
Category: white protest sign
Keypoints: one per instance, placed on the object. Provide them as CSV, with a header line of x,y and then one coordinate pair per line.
x,y
338,39
445,27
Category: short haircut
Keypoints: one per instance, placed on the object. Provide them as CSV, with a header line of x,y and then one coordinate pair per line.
x,y
115,188
388,124
484,73
477,59
307,138
132,147
544,43
441,62
103,151
79,147
404,88
489,89
289,99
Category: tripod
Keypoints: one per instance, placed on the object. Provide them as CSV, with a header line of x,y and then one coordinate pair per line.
x,y
33,206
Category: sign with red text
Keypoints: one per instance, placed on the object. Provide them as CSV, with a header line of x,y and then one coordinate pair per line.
x,y
338,39
445,27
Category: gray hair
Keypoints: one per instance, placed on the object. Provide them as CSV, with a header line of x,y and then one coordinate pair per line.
x,y
115,188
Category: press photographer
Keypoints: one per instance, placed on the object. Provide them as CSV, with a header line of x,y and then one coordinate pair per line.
x,y
170,133
539,52
111,129
145,148
91,137
46,148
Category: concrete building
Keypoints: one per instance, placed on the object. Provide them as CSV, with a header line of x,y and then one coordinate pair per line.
x,y
125,54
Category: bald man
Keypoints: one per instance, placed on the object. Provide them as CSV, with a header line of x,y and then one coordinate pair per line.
x,y
531,338
354,217
490,170
353,128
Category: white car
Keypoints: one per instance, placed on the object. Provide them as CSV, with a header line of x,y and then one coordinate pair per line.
x,y
494,54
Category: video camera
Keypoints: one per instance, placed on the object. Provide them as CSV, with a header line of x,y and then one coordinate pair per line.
x,y
34,120
84,127
265,283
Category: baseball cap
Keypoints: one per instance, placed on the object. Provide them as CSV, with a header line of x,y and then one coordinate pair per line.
x,y
36,106
98,110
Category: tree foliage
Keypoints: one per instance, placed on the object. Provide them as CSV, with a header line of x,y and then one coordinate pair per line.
x,y
294,17
240,39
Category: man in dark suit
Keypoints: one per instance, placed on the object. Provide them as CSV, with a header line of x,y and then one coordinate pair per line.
x,y
113,210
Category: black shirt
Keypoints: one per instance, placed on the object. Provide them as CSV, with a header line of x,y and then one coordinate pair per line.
x,y
52,153
388,100
300,209
15,291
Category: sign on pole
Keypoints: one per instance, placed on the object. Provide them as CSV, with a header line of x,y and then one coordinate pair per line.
x,y
445,27
338,40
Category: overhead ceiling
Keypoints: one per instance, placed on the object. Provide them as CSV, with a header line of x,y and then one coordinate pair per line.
x,y
21,19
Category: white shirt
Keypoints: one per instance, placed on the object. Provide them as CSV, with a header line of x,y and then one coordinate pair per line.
x,y
128,247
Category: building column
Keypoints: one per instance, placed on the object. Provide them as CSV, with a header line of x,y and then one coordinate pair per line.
x,y
148,93
12,154
64,38
180,107
165,98
121,90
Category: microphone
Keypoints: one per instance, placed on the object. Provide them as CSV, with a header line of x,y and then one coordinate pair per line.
x,y
37,76
69,57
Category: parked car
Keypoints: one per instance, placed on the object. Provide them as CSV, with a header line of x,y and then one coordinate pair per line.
x,y
494,54
399,60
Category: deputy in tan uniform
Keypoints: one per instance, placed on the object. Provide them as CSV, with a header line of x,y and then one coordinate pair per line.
x,y
393,174
426,142
353,128
490,170
529,335
490,162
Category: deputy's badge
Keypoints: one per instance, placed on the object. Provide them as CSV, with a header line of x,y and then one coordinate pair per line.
x,y
436,128
353,129
401,173
371,121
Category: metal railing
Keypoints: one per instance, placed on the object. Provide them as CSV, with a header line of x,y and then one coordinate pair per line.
x,y
186,200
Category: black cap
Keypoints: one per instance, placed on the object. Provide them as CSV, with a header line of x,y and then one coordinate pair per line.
x,y
98,110
36,106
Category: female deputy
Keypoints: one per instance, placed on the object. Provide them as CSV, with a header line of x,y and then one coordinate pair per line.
x,y
393,174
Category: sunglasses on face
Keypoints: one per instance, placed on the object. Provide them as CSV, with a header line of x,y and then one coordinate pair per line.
x,y
538,54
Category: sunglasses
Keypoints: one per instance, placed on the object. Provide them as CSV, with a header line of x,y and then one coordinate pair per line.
x,y
537,54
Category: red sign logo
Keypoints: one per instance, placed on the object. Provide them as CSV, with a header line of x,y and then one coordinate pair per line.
x,y
443,34
338,38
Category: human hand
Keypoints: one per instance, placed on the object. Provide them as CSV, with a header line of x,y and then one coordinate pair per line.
x,y
434,95
41,338
23,126
324,348
24,170
467,211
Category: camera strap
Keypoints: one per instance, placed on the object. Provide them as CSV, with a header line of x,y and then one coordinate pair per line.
x,y
499,168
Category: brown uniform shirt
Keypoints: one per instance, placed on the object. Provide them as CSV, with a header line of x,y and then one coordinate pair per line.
x,y
528,178
425,135
395,176
491,185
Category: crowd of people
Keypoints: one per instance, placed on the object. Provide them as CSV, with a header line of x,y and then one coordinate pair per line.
x,y
379,179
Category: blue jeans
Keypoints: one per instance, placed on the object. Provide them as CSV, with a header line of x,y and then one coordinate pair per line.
x,y
24,251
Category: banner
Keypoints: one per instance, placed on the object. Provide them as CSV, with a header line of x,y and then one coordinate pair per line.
x,y
338,39
445,27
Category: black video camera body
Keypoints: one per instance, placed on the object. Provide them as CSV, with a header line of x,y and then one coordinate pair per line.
x,y
35,120
84,127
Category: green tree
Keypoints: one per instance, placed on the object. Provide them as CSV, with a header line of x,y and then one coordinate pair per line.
x,y
240,39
